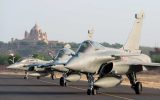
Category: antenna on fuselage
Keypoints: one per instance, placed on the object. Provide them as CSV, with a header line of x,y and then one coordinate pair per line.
x,y
67,46
90,33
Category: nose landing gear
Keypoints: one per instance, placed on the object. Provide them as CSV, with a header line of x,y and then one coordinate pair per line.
x,y
91,90
62,81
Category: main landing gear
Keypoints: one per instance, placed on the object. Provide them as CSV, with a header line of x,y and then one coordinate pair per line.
x,y
62,81
136,85
92,90
53,76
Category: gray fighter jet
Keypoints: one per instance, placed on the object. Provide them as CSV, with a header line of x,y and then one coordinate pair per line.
x,y
39,68
109,64
63,56
33,67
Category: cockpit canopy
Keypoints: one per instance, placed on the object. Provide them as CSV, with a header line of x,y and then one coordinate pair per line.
x,y
64,52
89,45
60,54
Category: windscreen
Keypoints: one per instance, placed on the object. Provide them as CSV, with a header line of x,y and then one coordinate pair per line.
x,y
60,54
86,45
89,45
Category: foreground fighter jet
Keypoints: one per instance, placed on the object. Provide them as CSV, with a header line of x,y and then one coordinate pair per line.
x,y
110,64
36,67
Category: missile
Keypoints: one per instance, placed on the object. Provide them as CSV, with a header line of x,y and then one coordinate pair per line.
x,y
73,77
107,82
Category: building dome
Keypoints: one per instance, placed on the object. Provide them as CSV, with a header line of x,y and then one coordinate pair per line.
x,y
36,34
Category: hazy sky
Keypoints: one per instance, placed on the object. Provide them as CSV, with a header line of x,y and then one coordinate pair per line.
x,y
69,20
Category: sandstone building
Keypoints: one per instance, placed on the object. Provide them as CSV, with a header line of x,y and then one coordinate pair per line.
x,y
36,34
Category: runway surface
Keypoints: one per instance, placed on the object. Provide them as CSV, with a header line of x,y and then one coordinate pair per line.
x,y
16,88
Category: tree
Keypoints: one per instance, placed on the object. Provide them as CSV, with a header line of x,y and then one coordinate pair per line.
x,y
156,58
38,56
12,59
3,59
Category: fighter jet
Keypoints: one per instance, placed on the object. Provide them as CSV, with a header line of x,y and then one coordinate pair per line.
x,y
39,68
60,60
109,64
33,67
63,56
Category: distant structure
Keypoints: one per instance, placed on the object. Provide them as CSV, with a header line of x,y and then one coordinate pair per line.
x,y
155,52
36,34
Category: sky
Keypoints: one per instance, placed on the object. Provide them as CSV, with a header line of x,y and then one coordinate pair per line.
x,y
69,20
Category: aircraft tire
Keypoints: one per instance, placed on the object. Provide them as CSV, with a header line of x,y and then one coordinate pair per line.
x,y
38,77
91,92
25,77
62,82
138,88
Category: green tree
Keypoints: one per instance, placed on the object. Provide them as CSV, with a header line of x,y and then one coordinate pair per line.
x,y
156,58
39,56
3,59
13,59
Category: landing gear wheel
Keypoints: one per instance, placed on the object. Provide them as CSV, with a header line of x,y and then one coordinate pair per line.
x,y
62,82
91,92
138,88
25,77
38,77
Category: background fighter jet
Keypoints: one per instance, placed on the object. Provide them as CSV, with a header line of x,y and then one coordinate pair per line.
x,y
63,56
110,64
36,67
39,68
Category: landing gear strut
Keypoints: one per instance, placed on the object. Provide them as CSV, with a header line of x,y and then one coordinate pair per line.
x,y
26,75
62,81
136,85
91,90
53,76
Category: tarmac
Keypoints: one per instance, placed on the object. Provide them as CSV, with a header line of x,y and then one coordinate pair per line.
x,y
14,87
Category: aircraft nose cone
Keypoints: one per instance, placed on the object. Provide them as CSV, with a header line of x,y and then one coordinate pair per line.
x,y
13,66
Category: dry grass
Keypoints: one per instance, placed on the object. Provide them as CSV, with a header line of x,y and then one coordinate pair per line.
x,y
151,81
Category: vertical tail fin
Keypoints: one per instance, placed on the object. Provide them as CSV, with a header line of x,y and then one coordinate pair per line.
x,y
132,43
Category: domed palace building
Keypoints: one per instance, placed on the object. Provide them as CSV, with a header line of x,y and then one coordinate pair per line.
x,y
36,34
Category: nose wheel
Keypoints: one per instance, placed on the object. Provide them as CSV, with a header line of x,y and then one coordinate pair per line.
x,y
91,91
135,85
62,80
